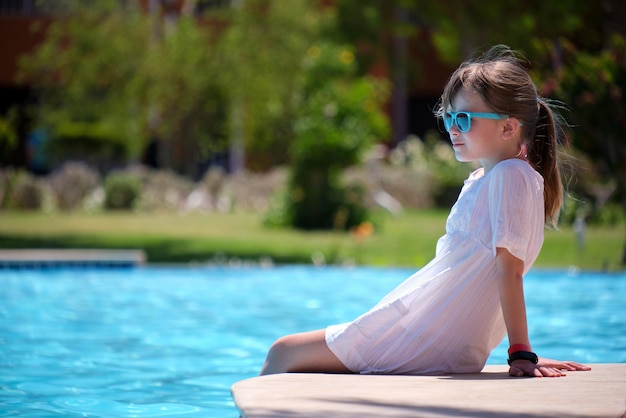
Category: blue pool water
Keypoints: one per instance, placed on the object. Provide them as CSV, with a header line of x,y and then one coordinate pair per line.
x,y
171,341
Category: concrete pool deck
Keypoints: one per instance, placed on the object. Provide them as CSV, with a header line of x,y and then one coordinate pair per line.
x,y
600,392
26,258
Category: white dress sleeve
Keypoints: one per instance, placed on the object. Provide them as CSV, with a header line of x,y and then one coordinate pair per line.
x,y
512,207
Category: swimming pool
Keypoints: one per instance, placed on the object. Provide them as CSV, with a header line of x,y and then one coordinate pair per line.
x,y
157,341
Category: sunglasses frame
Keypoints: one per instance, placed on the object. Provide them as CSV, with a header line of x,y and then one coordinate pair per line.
x,y
470,115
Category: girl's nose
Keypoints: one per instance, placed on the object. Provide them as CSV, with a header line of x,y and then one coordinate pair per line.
x,y
454,131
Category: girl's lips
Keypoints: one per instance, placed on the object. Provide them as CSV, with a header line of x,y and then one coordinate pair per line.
x,y
457,144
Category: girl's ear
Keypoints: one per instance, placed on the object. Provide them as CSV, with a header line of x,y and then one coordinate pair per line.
x,y
510,128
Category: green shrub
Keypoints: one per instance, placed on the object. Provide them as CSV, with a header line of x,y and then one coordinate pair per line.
x,y
588,196
162,190
279,209
5,174
611,215
435,158
94,142
121,190
72,183
410,188
592,211
8,136
21,190
248,191
340,118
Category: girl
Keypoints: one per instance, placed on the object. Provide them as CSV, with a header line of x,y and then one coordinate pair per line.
x,y
452,313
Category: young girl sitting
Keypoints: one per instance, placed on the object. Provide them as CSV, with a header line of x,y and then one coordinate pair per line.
x,y
449,316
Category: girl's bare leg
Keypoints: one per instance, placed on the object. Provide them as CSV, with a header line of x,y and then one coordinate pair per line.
x,y
303,352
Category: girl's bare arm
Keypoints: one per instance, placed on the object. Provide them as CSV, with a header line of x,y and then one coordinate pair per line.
x,y
511,289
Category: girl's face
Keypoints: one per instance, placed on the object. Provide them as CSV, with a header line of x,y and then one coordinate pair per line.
x,y
483,142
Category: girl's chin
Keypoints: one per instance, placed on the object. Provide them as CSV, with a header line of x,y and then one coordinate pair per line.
x,y
460,158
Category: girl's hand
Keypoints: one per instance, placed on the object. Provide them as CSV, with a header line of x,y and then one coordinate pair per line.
x,y
545,367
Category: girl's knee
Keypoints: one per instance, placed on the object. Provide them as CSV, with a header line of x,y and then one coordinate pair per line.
x,y
276,360
280,347
290,353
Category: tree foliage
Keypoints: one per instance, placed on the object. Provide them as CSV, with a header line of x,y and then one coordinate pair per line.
x,y
339,118
84,75
110,77
267,75
594,85
261,55
459,28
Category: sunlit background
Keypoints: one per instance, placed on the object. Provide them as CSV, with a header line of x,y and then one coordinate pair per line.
x,y
231,136
312,115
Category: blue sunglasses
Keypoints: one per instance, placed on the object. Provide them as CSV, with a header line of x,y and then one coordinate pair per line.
x,y
463,120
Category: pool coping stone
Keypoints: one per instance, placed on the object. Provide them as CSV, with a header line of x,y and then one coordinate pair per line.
x,y
600,392
25,258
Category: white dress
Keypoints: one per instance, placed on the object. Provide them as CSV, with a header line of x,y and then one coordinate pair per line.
x,y
447,318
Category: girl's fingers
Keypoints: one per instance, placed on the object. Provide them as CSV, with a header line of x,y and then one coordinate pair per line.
x,y
578,366
554,369
552,372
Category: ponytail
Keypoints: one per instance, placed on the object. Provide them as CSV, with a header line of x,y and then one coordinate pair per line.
x,y
543,156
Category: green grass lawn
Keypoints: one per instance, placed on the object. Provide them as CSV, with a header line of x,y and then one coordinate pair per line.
x,y
408,240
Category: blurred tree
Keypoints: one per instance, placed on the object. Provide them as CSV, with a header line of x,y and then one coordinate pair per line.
x,y
107,84
464,26
572,45
594,85
113,77
339,119
82,73
182,93
261,55
415,40
296,98
459,28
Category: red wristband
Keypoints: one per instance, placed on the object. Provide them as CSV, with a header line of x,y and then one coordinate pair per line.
x,y
518,347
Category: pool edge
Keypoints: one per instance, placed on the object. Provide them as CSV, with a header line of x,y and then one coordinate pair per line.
x,y
600,392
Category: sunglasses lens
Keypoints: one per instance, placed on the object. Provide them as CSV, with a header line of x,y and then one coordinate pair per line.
x,y
447,121
463,122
